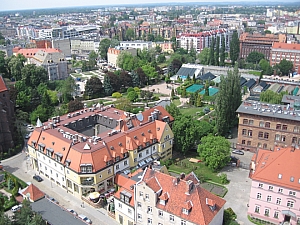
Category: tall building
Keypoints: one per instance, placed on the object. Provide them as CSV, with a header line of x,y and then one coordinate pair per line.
x,y
275,186
154,197
268,126
290,52
259,43
82,151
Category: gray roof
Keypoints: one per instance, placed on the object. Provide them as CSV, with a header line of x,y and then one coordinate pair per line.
x,y
290,99
184,71
54,214
250,83
207,76
269,110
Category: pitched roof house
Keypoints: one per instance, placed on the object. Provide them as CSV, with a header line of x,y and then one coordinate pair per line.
x,y
275,187
32,193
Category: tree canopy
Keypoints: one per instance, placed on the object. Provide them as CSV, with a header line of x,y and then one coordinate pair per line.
x,y
234,50
215,151
285,67
103,47
255,57
93,87
204,56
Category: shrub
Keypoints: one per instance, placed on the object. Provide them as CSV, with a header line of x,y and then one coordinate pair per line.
x,y
130,89
155,98
229,216
136,89
175,97
223,178
116,95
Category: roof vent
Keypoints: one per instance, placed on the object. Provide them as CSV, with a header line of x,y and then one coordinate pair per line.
x,y
87,147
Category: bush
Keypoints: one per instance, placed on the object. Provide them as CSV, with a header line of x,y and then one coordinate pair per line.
x,y
130,89
116,95
175,97
229,216
166,163
223,178
155,98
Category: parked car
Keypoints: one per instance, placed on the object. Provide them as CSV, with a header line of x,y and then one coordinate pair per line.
x,y
233,159
85,219
16,208
53,200
239,152
37,178
73,212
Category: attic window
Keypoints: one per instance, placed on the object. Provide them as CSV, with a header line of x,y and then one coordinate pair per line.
x,y
135,137
63,148
43,138
185,211
68,162
143,134
53,143
112,148
117,158
292,179
279,176
154,140
149,131
120,144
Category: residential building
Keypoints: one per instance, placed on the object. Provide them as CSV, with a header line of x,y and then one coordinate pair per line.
x,y
8,133
290,52
189,70
113,53
259,43
136,44
275,186
159,198
80,46
82,151
166,46
267,126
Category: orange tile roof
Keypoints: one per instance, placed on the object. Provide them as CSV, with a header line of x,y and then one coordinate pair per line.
x,y
126,185
195,200
2,85
153,184
30,52
34,193
286,46
284,161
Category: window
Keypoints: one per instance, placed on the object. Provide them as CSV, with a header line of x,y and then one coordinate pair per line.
x,y
139,217
109,171
183,222
280,190
257,209
185,211
283,138
267,212
290,204
267,125
135,159
245,121
147,151
284,127
160,213
278,201
129,211
243,142
270,188
250,122
266,135
294,140
298,220
258,196
278,126
248,143
140,155
276,214
244,132
265,146
171,218
139,205
147,197
125,163
261,124
269,198
149,221
296,129
149,210
250,133
120,205
260,185
141,194
292,193
277,137
260,134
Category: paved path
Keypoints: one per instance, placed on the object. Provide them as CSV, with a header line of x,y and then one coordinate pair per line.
x,y
20,167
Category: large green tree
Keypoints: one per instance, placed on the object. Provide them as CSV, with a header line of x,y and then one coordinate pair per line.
x,y
255,57
228,100
15,65
222,53
212,52
266,67
93,87
75,105
215,151
174,110
108,89
34,75
234,47
285,67
217,52
103,47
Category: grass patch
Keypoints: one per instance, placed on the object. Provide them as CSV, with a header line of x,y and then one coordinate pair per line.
x,y
217,189
176,102
257,221
190,111
256,73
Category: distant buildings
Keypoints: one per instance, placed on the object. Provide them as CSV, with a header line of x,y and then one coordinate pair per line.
x,y
259,43
275,187
268,126
113,53
136,44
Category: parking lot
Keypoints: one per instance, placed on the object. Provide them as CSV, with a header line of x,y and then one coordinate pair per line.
x,y
239,188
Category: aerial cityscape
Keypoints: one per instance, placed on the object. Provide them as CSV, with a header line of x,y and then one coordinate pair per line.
x,y
149,112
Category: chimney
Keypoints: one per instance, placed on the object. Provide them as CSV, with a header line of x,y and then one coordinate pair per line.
x,y
182,176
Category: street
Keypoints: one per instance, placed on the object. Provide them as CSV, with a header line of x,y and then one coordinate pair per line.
x,y
20,167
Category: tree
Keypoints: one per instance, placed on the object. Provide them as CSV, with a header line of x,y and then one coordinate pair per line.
x,y
255,57
149,71
132,96
268,32
217,52
75,105
234,48
108,89
126,79
103,48
161,58
34,75
15,65
68,89
222,53
212,52
228,100
93,88
3,65
285,67
174,66
185,134
135,79
199,101
272,97
173,110
265,66
204,56
92,59
129,34
215,151
115,81
4,219
142,77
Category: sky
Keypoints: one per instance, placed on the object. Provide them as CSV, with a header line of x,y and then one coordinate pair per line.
x,y
40,4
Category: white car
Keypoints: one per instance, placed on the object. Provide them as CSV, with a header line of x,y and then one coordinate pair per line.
x,y
85,219
29,127
73,212
16,208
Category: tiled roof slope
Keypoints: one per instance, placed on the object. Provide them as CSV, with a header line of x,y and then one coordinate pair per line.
x,y
2,85
284,161
34,193
180,198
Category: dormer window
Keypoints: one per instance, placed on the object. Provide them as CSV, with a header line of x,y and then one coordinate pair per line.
x,y
185,211
86,168
41,147
117,158
125,197
49,152
125,155
154,140
140,147
58,156
68,162
147,143
33,143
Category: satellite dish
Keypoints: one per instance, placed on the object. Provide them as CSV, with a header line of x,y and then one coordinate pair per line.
x,y
140,117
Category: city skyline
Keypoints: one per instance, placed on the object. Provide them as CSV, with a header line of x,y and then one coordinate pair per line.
x,y
10,5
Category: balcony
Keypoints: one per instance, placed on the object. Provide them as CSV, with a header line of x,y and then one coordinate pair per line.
x,y
89,181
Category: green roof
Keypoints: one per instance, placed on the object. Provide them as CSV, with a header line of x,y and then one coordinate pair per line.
x,y
194,88
211,91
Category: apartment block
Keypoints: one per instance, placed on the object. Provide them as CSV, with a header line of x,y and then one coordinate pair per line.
x,y
267,126
82,151
290,52
275,187
259,43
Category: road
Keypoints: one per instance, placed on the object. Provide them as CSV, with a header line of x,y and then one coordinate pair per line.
x,y
20,167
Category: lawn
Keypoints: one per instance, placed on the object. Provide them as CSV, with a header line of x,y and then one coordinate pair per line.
x,y
190,111
176,102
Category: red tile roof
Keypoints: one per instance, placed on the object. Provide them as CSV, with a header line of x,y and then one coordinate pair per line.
x,y
30,52
2,85
126,184
33,192
286,46
284,161
194,201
